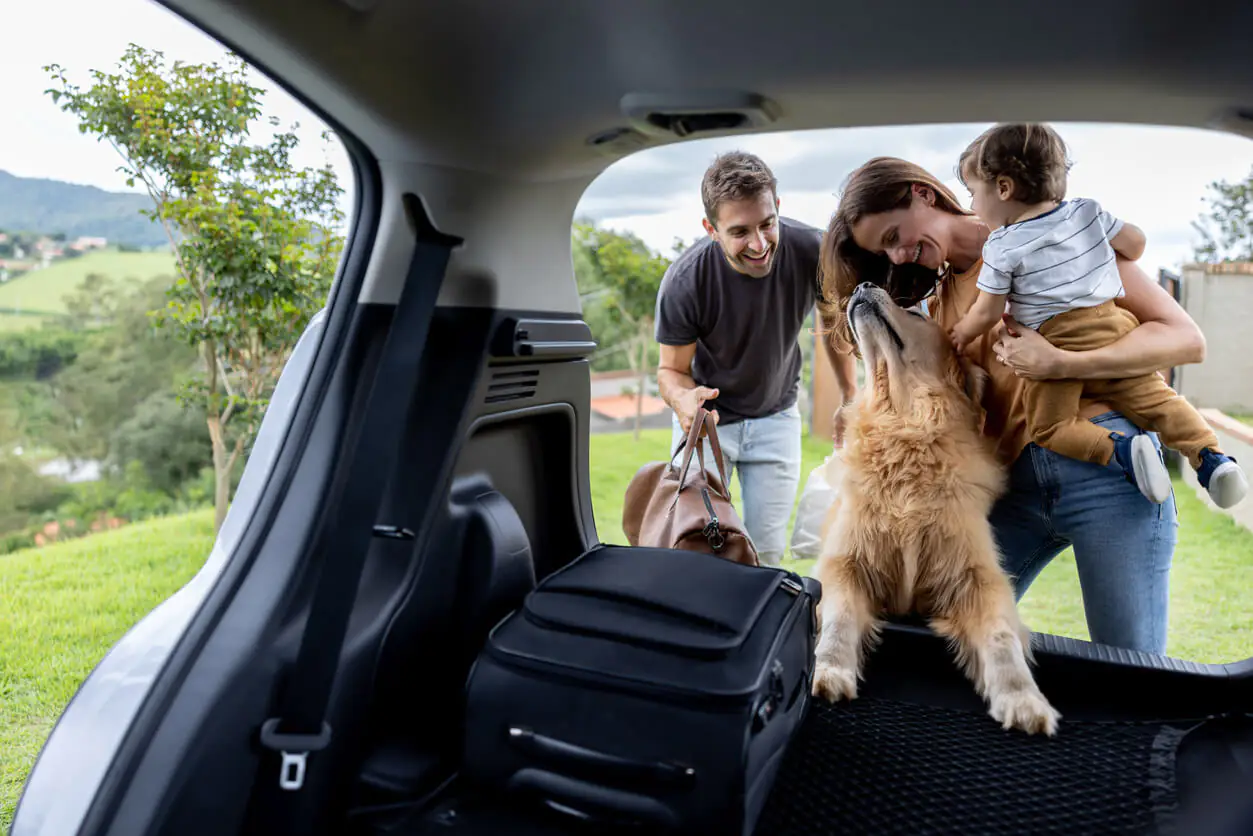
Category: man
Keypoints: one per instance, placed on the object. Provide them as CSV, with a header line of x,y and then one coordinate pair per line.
x,y
729,314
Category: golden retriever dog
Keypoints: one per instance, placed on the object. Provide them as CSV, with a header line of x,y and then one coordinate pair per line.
x,y
909,531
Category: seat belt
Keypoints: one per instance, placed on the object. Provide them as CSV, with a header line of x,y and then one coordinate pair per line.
x,y
300,728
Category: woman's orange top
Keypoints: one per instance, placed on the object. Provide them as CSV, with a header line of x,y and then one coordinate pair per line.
x,y
1007,419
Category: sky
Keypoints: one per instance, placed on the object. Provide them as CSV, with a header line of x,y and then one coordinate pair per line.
x,y
40,140
1155,177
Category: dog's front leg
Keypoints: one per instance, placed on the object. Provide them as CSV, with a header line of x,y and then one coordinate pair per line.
x,y
847,628
990,642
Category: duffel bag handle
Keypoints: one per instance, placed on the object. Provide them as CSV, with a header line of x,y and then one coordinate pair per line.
x,y
703,420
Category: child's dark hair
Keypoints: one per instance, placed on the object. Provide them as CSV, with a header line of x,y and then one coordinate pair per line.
x,y
1030,154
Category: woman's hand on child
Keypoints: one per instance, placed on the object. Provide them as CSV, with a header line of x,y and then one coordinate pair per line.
x,y
1026,352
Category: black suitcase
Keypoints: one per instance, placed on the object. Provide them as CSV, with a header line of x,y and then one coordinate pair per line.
x,y
642,686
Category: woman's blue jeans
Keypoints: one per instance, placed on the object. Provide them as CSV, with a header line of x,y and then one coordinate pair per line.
x,y
1123,543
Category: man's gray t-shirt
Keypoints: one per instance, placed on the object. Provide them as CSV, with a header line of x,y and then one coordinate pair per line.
x,y
745,329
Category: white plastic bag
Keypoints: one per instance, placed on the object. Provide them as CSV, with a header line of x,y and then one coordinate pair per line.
x,y
816,499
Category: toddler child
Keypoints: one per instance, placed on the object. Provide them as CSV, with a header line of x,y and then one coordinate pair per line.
x,y
1054,261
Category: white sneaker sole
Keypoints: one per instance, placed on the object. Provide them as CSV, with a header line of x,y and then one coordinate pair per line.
x,y
1227,486
1151,476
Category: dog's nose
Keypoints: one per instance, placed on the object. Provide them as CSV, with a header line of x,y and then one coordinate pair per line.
x,y
866,286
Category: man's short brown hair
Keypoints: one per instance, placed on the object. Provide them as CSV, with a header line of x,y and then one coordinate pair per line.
x,y
735,175
1029,153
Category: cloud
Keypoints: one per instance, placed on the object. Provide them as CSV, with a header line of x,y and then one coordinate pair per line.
x,y
1155,177
651,182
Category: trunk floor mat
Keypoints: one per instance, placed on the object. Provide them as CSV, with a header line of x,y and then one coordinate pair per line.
x,y
885,767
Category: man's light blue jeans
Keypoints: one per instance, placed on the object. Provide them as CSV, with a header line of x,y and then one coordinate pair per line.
x,y
767,453
1123,543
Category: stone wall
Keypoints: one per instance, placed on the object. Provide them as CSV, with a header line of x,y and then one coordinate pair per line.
x,y
1219,297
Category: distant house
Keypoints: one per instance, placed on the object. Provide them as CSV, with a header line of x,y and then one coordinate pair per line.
x,y
85,242
613,403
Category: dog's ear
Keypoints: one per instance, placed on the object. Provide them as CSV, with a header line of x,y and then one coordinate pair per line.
x,y
975,383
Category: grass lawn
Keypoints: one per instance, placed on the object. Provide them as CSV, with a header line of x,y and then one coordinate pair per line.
x,y
44,290
1211,599
614,458
64,606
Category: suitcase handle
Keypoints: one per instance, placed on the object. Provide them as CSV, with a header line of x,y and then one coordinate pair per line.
x,y
577,757
592,803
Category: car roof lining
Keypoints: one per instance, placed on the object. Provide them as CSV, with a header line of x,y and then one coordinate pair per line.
x,y
507,95
516,89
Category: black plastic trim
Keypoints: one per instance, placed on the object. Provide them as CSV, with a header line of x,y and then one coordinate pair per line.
x,y
1075,648
546,338
579,455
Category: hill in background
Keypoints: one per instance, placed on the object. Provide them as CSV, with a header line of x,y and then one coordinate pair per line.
x,y
49,206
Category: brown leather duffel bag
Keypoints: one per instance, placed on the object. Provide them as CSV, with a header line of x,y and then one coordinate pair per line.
x,y
687,507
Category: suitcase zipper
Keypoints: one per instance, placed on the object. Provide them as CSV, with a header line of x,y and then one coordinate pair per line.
x,y
764,710
712,534
557,670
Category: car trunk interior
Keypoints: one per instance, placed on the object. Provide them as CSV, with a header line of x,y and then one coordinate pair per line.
x,y
1145,744
493,118
1141,736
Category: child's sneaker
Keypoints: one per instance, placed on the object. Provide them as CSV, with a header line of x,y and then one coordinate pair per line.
x,y
1222,477
1142,465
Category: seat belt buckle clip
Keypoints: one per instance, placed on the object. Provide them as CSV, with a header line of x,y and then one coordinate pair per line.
x,y
294,749
291,774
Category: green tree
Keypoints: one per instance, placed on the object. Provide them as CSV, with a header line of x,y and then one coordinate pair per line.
x,y
94,302
256,239
1226,229
612,338
166,440
118,365
623,275
24,493
38,353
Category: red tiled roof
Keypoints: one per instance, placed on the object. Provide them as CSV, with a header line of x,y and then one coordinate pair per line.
x,y
623,406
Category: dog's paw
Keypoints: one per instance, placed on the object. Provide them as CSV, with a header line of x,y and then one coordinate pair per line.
x,y
834,683
1027,710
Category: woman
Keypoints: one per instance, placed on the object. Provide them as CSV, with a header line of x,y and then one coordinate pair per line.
x,y
899,227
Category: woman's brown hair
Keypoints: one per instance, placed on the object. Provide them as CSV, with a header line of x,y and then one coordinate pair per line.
x,y
879,185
